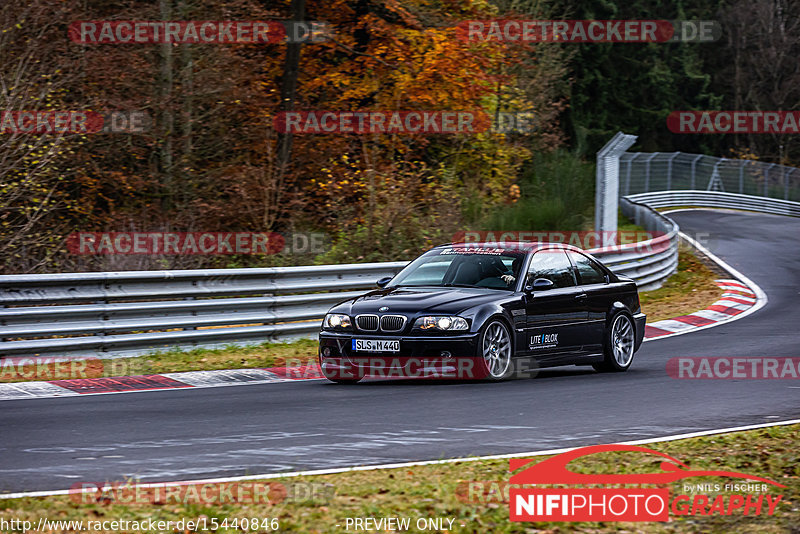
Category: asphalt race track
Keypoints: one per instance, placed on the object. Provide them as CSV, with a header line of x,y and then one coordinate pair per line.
x,y
50,444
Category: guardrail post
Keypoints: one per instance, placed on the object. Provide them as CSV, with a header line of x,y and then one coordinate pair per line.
x,y
607,179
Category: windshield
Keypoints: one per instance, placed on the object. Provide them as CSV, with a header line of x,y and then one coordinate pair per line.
x,y
492,268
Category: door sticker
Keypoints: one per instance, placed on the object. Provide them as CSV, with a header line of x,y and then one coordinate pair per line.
x,y
544,341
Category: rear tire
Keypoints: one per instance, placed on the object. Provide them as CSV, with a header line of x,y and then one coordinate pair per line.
x,y
618,345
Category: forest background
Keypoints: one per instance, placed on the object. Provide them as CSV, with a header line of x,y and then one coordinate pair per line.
x,y
213,162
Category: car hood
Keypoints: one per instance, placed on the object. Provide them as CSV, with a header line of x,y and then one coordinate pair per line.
x,y
421,300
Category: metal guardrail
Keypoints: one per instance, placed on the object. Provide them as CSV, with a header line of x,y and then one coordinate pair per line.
x,y
717,199
651,262
135,312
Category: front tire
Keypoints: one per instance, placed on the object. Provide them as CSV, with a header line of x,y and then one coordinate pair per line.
x,y
495,351
618,345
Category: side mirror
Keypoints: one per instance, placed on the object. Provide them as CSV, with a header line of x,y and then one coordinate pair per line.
x,y
383,281
540,284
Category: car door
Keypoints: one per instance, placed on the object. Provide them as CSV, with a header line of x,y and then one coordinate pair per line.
x,y
600,294
556,317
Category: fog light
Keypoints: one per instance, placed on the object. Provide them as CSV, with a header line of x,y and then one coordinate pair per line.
x,y
326,351
446,354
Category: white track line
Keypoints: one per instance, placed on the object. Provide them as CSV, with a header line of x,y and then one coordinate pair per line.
x,y
315,472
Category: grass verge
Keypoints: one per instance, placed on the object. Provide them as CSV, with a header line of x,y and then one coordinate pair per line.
x,y
253,357
437,491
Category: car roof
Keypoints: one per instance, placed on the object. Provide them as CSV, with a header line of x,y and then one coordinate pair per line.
x,y
512,246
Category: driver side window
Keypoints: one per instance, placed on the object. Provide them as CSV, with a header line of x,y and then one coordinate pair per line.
x,y
553,265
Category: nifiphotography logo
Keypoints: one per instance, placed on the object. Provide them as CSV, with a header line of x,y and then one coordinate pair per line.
x,y
626,503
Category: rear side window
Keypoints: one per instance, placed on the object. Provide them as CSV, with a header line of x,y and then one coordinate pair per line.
x,y
554,265
588,271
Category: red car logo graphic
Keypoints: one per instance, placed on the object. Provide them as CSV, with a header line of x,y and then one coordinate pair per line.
x,y
554,470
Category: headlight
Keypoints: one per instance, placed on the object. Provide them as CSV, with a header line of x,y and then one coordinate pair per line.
x,y
441,322
335,321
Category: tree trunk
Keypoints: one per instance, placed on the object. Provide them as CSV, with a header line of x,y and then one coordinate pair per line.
x,y
289,90
167,118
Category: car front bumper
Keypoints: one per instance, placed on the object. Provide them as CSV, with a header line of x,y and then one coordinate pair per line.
x,y
445,356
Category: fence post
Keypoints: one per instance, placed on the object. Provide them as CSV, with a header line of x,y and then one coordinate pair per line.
x,y
786,183
741,176
669,170
766,179
628,173
694,170
607,177
647,172
715,183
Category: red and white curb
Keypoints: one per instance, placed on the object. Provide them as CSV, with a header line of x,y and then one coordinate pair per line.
x,y
130,384
737,298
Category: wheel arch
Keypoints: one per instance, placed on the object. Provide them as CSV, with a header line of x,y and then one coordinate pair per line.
x,y
485,313
616,308
499,315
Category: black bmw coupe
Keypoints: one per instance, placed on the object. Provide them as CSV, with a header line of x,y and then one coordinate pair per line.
x,y
478,310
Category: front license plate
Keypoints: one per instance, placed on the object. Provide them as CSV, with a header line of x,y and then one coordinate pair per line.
x,y
376,345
